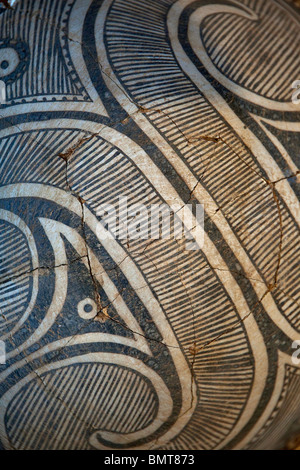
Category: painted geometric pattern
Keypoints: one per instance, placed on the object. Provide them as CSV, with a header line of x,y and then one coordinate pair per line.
x,y
140,343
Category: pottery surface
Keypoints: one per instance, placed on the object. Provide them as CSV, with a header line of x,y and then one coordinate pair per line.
x,y
113,335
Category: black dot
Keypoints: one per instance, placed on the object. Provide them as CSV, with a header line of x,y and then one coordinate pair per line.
x,y
4,64
88,308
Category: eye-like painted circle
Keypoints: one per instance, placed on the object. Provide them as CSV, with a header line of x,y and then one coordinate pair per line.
x,y
9,61
14,60
87,309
